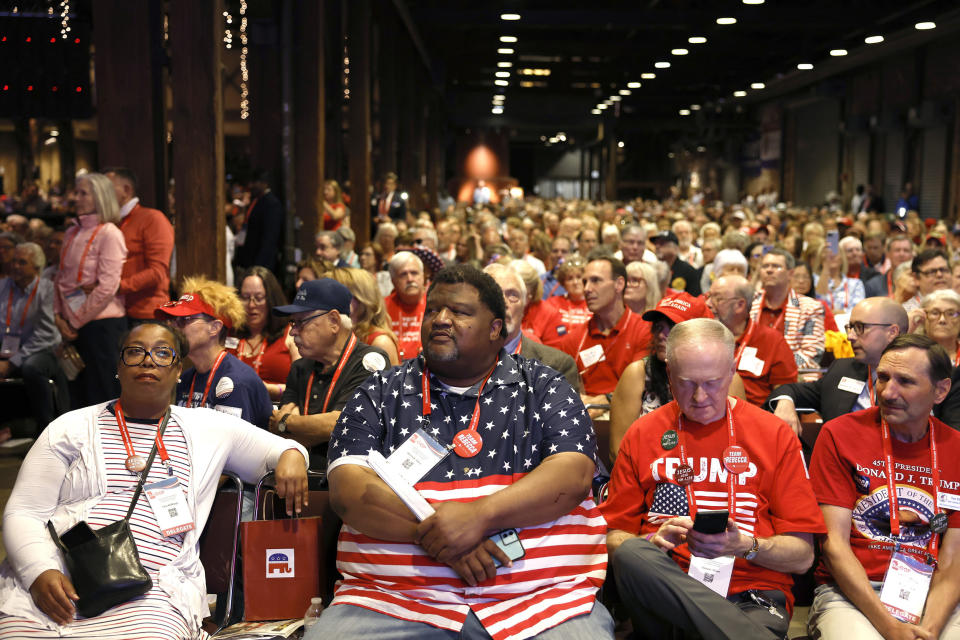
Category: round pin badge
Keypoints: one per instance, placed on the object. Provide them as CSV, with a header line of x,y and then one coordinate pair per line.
x,y
467,443
135,464
224,387
669,439
683,475
939,522
735,459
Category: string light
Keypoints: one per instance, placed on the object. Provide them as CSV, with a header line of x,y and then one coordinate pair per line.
x,y
227,31
64,18
244,75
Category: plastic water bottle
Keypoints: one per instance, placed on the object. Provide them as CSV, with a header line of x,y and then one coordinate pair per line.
x,y
312,615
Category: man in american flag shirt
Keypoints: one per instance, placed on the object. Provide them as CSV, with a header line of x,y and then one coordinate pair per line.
x,y
722,455
437,578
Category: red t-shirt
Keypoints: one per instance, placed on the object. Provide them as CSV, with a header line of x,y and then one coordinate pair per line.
x,y
772,358
572,314
405,320
274,363
848,470
627,341
773,497
540,322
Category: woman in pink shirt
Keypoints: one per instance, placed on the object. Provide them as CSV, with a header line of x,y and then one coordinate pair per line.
x,y
89,312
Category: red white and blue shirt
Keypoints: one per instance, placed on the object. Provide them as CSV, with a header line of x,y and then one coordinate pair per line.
x,y
527,413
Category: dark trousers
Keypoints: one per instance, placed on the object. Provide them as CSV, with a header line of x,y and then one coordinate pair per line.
x,y
98,343
46,401
661,598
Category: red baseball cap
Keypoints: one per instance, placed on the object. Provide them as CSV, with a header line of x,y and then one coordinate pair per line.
x,y
189,304
677,308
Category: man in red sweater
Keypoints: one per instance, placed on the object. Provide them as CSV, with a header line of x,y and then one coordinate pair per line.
x,y
145,281
406,304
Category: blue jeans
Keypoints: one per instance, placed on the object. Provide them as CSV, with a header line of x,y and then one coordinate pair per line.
x,y
349,621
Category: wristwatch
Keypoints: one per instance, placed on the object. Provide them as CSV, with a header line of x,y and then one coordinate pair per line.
x,y
754,549
282,423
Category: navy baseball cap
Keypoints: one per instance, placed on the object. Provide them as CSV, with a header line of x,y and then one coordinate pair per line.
x,y
318,295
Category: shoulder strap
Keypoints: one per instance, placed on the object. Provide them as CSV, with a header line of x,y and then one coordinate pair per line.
x,y
153,454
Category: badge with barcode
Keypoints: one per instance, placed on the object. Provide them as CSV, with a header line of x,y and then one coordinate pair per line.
x,y
169,506
905,587
714,573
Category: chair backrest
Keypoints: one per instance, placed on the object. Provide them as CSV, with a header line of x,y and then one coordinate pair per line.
x,y
219,542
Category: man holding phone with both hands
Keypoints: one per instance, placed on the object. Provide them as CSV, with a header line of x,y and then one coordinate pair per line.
x,y
720,486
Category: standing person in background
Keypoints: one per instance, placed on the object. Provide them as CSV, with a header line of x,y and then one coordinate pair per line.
x,y
217,380
264,342
335,212
89,311
148,235
389,206
370,321
261,237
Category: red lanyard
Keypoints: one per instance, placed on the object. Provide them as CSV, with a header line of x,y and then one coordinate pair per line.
x,y
23,316
751,325
870,385
351,343
86,250
732,442
128,443
516,351
475,419
246,218
778,323
891,485
890,283
210,376
259,359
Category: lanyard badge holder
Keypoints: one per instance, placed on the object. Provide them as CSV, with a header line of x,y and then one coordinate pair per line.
x,y
907,580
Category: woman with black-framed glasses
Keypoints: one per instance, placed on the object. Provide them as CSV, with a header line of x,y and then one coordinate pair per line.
x,y
85,467
941,320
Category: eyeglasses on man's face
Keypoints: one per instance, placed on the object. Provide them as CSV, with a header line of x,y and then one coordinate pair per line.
x,y
935,271
860,327
162,356
302,322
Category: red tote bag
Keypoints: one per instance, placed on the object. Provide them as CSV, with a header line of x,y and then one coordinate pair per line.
x,y
281,567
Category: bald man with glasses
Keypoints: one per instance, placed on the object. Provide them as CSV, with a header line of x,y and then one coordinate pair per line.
x,y
849,382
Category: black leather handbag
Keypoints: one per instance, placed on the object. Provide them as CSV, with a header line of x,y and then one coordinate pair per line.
x,y
104,564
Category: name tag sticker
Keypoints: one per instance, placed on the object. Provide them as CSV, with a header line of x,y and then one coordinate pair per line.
x,y
11,344
905,587
170,506
416,456
749,361
949,501
851,384
232,342
592,355
75,299
714,573
236,412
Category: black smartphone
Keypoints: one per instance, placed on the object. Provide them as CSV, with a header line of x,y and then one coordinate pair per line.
x,y
711,521
509,543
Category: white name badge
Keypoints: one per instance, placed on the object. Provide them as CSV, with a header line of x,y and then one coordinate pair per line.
x,y
949,501
416,456
236,412
749,361
905,587
170,506
851,384
232,342
75,299
592,355
11,344
714,573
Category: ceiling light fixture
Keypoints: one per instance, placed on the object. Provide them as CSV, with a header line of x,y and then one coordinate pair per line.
x,y
504,64
625,92
501,83
508,39
505,52
695,107
615,98
684,112
502,74
697,40
726,21
496,110
602,106
804,66
596,112
873,39
662,65
648,76
679,52
925,26
739,94
752,1
619,145
509,16
757,85
633,85
836,53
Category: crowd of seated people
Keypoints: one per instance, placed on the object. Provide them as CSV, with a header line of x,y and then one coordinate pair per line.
x,y
699,334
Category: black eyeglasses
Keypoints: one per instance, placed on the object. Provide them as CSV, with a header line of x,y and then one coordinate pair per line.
x,y
302,322
935,271
161,356
858,327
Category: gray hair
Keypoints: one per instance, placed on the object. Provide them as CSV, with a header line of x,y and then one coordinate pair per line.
x,y
335,238
634,228
400,259
941,295
347,234
727,257
850,240
791,261
37,257
104,196
497,269
386,226
699,331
